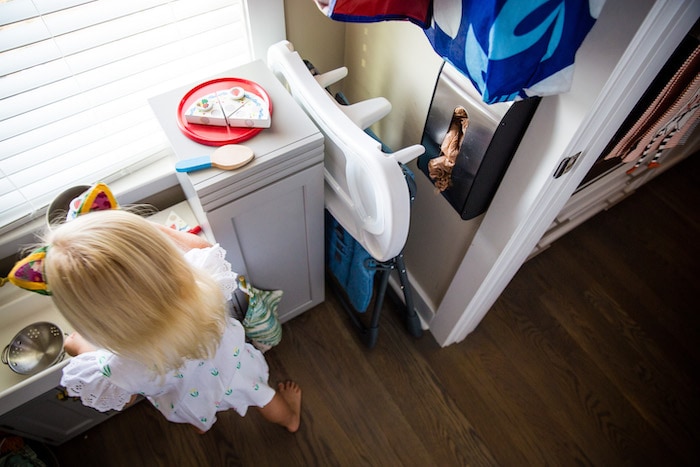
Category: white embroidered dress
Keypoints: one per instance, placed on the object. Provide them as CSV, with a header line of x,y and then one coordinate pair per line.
x,y
235,378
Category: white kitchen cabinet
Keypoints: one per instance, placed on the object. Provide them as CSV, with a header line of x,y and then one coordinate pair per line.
x,y
268,214
52,418
275,235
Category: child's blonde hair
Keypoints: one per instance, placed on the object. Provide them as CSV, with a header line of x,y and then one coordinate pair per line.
x,y
125,286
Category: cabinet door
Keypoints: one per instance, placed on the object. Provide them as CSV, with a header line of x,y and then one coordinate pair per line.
x,y
274,236
52,418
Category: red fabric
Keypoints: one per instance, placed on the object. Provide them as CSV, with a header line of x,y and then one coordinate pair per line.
x,y
417,11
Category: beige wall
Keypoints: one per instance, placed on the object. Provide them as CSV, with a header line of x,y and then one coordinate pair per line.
x,y
316,37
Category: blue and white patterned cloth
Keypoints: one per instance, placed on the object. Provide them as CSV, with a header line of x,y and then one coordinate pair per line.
x,y
512,49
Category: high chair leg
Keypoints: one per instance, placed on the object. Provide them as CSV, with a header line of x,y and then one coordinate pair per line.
x,y
370,332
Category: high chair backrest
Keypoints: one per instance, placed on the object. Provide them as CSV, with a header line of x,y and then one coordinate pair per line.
x,y
365,188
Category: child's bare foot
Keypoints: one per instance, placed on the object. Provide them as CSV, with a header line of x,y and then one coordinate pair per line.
x,y
285,407
291,393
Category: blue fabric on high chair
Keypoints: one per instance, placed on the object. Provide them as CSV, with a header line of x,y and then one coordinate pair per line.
x,y
345,258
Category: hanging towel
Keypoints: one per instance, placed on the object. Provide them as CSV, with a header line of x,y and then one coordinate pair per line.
x,y
371,11
512,49
261,322
346,259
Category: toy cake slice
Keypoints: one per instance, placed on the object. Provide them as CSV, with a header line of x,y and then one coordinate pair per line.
x,y
244,108
206,110
233,107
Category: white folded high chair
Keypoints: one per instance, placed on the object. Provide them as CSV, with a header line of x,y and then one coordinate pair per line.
x,y
365,188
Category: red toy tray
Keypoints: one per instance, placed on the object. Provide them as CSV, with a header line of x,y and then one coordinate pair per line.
x,y
218,135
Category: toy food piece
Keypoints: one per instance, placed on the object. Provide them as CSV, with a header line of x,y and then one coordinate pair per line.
x,y
175,222
206,111
233,107
237,92
246,110
227,157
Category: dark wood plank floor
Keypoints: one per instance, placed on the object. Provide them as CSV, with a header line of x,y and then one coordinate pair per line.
x,y
590,357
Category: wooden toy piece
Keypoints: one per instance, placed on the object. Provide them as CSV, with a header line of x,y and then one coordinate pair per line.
x,y
227,157
244,110
206,111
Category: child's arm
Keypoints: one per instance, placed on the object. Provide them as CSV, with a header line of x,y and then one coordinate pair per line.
x,y
75,344
184,240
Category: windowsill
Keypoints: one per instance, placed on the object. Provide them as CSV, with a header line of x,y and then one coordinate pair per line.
x,y
136,187
145,182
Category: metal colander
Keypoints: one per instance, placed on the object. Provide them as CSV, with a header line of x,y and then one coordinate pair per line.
x,y
34,348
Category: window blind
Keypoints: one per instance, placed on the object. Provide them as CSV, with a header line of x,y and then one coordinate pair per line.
x,y
75,76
